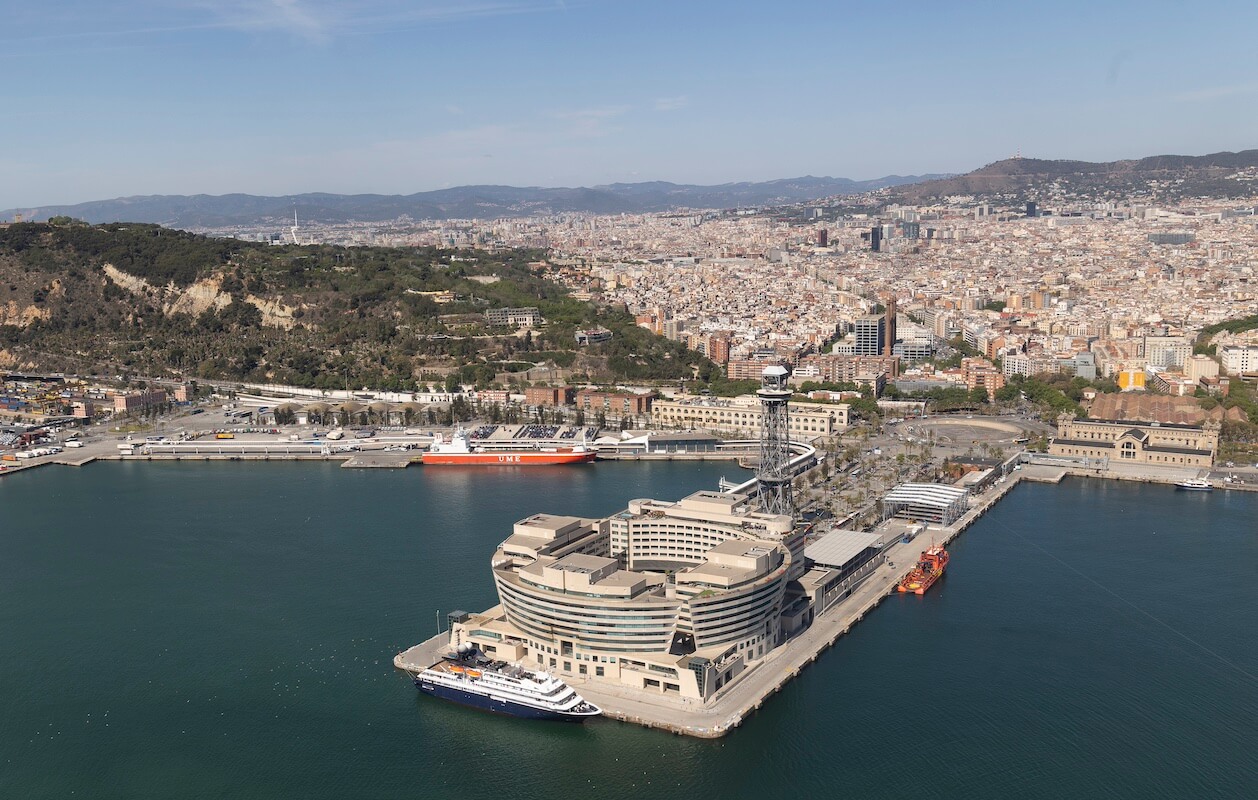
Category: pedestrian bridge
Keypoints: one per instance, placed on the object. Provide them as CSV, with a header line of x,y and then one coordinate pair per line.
x,y
803,457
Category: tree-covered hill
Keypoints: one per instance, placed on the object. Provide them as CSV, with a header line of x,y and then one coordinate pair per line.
x,y
148,300
1168,177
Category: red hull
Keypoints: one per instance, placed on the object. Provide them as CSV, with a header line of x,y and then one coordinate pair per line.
x,y
929,569
516,458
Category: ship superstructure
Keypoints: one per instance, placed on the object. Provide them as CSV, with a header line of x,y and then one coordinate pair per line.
x,y
930,566
469,678
461,450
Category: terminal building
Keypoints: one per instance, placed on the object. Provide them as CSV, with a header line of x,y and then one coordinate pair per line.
x,y
1130,442
837,562
673,597
925,502
742,415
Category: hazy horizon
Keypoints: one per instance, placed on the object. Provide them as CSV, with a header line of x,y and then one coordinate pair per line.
x,y
282,97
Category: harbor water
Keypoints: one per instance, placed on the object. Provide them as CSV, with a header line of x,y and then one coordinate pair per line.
x,y
227,630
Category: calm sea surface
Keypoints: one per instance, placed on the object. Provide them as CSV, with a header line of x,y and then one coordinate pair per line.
x,y
227,630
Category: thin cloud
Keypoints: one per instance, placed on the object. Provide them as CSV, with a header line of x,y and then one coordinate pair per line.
x,y
320,20
672,103
310,21
587,123
453,12
120,32
600,112
315,21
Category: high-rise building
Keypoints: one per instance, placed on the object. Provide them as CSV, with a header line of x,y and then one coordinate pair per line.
x,y
1166,352
718,348
871,335
823,238
1199,366
1239,359
981,373
889,326
875,239
1032,210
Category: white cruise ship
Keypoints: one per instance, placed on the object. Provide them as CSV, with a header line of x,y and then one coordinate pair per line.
x,y
468,678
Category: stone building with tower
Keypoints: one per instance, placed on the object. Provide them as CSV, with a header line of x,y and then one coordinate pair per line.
x,y
1163,444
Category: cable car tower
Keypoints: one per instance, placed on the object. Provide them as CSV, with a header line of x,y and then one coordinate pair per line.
x,y
773,488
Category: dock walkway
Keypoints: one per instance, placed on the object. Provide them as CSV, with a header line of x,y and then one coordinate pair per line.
x,y
423,655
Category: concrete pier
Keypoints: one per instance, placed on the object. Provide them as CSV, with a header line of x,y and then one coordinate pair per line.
x,y
748,692
377,460
715,455
423,655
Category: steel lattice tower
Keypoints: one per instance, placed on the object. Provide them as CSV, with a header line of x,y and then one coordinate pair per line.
x,y
774,488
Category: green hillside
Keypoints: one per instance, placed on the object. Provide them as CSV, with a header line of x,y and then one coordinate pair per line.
x,y
146,300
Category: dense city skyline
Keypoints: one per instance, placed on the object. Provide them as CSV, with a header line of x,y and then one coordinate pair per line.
x,y
287,96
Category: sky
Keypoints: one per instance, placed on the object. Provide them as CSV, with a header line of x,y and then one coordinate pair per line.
x,y
278,97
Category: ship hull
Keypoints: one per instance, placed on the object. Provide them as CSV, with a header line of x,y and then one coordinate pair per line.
x,y
919,586
496,705
507,459
928,570
1193,488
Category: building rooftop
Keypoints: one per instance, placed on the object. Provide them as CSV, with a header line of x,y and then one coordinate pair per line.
x,y
582,563
553,522
926,494
836,548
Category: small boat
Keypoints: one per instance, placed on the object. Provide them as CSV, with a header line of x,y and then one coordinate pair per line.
x,y
929,568
468,678
1195,485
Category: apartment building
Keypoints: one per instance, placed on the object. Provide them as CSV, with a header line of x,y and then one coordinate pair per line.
x,y
1239,359
621,403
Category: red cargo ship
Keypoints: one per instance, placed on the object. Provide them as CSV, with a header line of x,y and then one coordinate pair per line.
x,y
459,450
929,567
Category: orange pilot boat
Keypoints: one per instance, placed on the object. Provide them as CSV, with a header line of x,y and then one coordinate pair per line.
x,y
929,567
460,450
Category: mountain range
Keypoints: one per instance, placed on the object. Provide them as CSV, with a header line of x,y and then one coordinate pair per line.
x,y
1163,178
462,202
